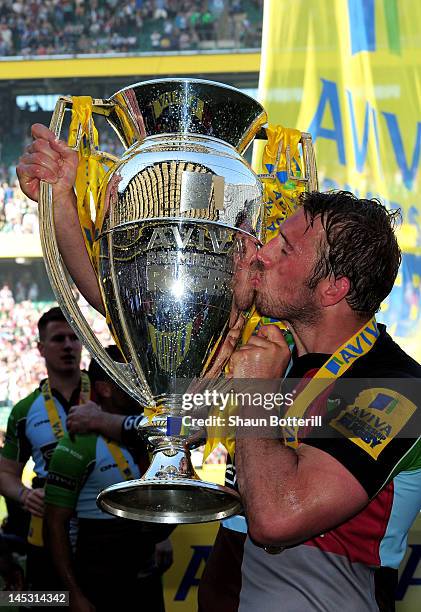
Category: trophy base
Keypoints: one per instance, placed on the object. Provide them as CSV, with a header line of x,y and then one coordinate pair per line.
x,y
171,501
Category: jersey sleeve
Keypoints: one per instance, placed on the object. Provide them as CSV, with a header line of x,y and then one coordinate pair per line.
x,y
371,435
17,446
70,465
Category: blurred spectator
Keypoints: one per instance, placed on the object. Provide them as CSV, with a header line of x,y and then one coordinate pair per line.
x,y
21,366
18,214
46,27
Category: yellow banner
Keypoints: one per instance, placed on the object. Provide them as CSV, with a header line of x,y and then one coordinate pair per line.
x,y
349,72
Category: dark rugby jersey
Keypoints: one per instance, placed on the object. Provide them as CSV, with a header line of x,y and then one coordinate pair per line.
x,y
388,467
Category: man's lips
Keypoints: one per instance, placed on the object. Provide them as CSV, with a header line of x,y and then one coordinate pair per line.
x,y
68,357
256,280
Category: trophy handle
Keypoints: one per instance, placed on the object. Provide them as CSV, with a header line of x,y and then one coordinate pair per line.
x,y
309,163
99,107
121,373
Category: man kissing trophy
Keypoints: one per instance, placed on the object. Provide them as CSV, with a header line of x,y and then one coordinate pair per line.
x,y
172,218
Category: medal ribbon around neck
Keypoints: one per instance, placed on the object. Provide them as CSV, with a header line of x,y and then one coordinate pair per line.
x,y
335,367
51,408
56,426
35,527
120,459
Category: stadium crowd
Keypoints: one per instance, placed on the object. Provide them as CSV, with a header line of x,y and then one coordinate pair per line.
x,y
57,27
18,214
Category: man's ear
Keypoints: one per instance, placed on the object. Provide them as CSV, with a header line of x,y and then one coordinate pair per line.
x,y
103,389
40,346
333,290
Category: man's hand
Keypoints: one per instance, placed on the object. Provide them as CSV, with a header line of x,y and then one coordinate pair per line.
x,y
33,501
227,348
266,355
84,418
47,159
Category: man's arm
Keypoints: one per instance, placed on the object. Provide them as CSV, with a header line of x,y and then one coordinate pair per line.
x,y
57,538
291,495
89,418
15,453
67,470
11,486
53,161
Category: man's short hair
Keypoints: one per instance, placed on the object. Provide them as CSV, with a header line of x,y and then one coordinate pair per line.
x,y
54,314
95,371
360,244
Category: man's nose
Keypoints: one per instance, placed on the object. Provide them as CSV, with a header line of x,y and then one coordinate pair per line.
x,y
68,342
263,255
253,254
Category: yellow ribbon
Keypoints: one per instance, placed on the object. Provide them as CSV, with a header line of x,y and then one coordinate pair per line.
x,y
35,536
89,181
51,408
120,459
90,172
335,367
281,195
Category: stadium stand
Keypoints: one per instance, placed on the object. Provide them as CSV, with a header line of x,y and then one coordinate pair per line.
x,y
70,27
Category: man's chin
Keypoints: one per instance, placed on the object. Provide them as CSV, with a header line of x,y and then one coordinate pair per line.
x,y
69,368
245,301
262,306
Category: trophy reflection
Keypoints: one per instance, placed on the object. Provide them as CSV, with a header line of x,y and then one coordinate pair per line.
x,y
178,208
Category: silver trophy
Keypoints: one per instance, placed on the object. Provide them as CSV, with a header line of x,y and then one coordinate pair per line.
x,y
180,205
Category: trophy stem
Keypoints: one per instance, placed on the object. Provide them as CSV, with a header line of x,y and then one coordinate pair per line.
x,y
170,491
171,460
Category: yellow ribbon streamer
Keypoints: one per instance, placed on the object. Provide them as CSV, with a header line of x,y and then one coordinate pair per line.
x,y
90,172
281,195
89,180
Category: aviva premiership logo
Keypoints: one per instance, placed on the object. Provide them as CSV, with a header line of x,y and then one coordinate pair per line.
x,y
359,345
374,419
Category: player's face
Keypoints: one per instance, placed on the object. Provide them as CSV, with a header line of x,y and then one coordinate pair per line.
x,y
61,348
283,269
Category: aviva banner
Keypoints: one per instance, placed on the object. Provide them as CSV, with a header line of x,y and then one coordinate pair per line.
x,y
349,72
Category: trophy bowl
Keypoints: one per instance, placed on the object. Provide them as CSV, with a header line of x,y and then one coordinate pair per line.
x,y
178,207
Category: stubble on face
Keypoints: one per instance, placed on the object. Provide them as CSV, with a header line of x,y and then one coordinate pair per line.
x,y
300,310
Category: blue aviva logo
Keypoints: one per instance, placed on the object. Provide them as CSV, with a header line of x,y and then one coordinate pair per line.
x,y
356,347
384,403
334,365
362,23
